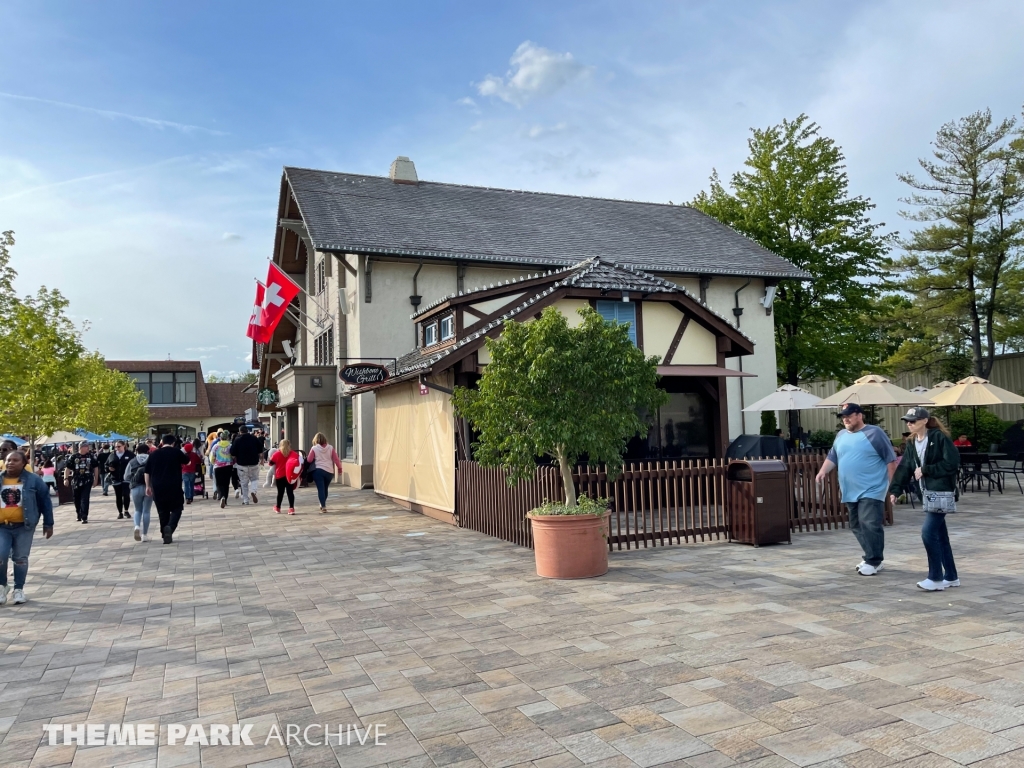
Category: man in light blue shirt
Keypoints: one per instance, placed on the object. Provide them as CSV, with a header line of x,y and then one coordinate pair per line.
x,y
866,464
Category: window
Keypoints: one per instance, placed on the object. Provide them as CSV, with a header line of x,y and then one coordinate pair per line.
x,y
447,328
621,312
323,348
429,334
348,445
167,388
321,276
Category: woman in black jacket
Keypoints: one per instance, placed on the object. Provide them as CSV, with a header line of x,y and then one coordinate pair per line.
x,y
931,459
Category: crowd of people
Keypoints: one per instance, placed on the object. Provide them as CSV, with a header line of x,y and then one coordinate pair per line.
x,y
169,473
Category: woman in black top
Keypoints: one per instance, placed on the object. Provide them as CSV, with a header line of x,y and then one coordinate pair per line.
x,y
931,459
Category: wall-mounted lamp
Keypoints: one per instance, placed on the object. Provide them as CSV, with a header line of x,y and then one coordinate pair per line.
x,y
769,298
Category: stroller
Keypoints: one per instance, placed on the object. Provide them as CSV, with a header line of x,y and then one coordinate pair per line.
x,y
199,486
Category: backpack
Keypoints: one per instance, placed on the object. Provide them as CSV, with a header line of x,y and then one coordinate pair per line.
x,y
138,476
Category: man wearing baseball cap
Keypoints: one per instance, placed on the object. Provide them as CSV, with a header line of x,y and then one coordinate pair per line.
x,y
866,462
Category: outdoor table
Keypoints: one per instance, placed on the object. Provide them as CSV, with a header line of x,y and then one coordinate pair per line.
x,y
971,469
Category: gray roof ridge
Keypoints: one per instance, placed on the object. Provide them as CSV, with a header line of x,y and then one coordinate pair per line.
x,y
506,189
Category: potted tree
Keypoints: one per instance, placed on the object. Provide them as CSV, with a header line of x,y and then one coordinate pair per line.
x,y
552,390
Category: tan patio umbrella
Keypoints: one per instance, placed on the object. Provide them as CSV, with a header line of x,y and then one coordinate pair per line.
x,y
974,391
942,386
60,436
874,390
785,398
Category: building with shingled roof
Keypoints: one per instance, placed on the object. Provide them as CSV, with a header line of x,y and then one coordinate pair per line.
x,y
414,275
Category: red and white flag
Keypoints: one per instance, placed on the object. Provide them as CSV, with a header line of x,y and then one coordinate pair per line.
x,y
277,295
256,331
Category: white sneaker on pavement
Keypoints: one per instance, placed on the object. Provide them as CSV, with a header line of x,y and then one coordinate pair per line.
x,y
953,583
3,594
144,537
138,533
19,597
868,570
932,586
877,567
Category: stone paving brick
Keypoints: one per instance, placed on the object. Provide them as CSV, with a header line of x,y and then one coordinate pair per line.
x,y
702,655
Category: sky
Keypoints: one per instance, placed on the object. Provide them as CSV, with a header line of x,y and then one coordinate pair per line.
x,y
141,144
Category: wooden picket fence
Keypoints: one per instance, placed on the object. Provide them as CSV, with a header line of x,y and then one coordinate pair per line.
x,y
653,503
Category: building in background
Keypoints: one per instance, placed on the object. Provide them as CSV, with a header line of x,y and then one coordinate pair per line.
x,y
371,251
181,402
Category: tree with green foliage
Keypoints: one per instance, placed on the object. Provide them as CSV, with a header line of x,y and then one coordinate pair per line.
x,y
794,200
562,392
249,377
769,425
963,269
49,381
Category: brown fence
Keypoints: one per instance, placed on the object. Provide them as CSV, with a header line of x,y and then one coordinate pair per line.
x,y
652,503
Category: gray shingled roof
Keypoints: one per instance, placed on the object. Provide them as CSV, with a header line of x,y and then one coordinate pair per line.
x,y
591,273
372,214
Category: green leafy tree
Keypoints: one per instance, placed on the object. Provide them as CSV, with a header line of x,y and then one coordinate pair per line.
x,y
794,200
963,269
768,423
49,381
109,401
562,392
249,377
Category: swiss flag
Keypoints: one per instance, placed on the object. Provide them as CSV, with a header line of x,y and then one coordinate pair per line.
x,y
277,295
256,331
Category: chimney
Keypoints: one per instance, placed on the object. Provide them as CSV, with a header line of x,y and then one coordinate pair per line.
x,y
403,171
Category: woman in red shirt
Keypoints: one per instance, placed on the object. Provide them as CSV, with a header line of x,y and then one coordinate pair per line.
x,y
287,468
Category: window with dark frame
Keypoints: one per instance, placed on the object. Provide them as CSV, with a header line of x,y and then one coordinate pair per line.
x,y
323,347
321,276
166,387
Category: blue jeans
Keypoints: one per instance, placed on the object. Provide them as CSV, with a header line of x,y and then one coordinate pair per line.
x,y
189,481
935,536
322,478
143,504
866,517
15,543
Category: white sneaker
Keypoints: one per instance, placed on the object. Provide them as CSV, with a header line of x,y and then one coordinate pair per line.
x,y
238,494
868,570
877,567
144,538
138,533
953,583
932,586
19,597
3,594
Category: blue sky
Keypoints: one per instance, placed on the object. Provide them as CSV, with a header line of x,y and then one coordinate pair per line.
x,y
141,144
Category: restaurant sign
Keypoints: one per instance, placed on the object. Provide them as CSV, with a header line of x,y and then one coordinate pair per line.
x,y
361,374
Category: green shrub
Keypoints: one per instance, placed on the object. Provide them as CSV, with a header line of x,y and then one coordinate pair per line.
x,y
822,438
768,423
990,426
584,506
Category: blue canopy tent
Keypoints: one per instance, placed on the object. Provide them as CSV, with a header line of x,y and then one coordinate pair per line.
x,y
18,442
92,437
117,436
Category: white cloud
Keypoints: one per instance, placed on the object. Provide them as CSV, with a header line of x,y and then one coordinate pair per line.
x,y
535,71
110,114
230,236
540,131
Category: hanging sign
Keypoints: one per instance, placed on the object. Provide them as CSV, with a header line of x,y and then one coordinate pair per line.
x,y
424,389
360,374
266,397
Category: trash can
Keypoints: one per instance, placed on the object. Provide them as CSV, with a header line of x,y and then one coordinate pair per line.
x,y
759,502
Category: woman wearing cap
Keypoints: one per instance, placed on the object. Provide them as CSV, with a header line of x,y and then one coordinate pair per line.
x,y
932,460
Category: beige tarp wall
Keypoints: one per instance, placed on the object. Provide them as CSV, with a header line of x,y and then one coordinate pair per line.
x,y
414,457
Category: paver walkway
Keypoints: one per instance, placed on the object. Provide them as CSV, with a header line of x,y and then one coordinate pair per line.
x,y
711,655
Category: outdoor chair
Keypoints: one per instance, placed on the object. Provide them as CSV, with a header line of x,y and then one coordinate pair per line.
x,y
977,469
1016,470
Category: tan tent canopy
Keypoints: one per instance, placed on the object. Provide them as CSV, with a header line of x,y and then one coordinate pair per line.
x,y
874,390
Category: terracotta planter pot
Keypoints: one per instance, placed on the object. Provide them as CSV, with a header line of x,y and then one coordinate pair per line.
x,y
570,546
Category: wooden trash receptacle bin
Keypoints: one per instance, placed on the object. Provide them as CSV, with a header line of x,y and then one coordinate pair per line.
x,y
759,502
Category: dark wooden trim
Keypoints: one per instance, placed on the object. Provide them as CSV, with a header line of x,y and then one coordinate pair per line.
x,y
449,360
639,324
713,323
468,364
344,262
676,339
711,390
503,309
474,312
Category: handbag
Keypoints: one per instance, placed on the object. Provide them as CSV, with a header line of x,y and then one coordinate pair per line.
x,y
938,501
